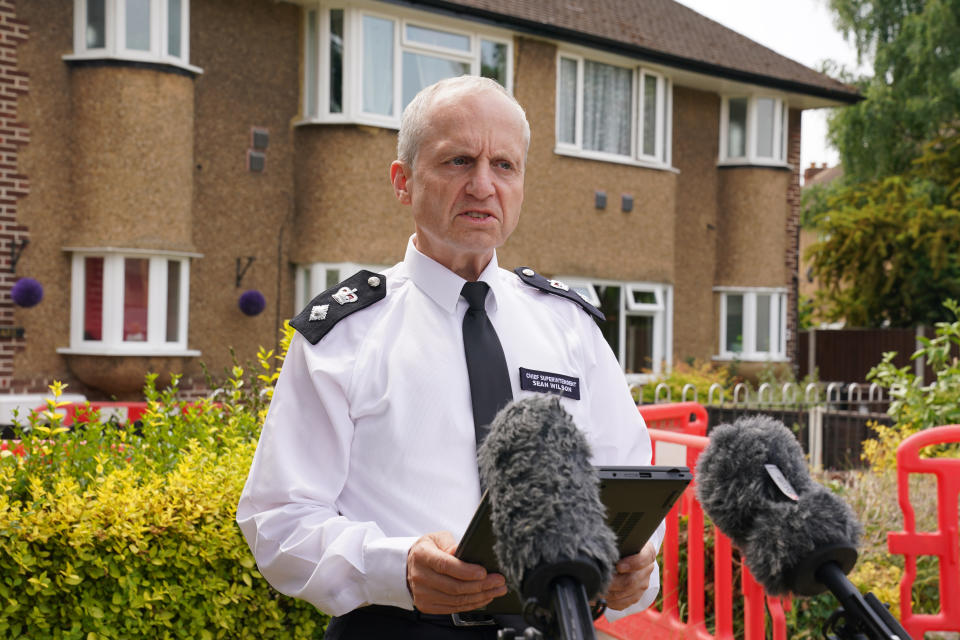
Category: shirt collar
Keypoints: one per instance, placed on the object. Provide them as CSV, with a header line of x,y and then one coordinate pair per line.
x,y
442,285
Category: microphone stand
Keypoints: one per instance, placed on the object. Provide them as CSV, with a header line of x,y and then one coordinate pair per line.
x,y
860,617
557,601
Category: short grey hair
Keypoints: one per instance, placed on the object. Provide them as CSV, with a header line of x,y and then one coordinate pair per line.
x,y
414,119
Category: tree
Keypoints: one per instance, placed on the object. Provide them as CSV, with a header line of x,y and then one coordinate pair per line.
x,y
890,248
914,89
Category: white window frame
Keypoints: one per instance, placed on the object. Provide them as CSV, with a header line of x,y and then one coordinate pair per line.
x,y
112,319
781,126
662,157
661,311
317,89
115,35
778,324
315,273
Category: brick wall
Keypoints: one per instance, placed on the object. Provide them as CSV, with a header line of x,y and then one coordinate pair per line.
x,y
13,185
793,235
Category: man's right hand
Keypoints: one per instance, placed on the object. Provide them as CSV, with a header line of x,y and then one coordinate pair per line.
x,y
442,583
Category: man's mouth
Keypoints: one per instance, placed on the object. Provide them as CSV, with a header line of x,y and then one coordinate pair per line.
x,y
476,215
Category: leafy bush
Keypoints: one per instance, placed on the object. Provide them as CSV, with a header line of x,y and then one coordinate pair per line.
x,y
913,405
109,531
702,375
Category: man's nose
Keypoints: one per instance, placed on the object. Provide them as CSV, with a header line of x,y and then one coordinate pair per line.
x,y
480,185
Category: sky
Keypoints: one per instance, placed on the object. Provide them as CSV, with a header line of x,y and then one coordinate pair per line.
x,y
798,29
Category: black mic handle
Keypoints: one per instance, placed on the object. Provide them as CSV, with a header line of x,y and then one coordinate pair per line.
x,y
571,609
859,610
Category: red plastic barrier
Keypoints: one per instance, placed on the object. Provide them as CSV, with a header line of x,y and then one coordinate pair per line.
x,y
685,424
944,543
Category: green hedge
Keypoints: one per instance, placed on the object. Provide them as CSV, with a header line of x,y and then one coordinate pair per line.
x,y
108,533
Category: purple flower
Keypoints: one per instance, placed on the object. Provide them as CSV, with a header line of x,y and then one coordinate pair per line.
x,y
252,302
27,292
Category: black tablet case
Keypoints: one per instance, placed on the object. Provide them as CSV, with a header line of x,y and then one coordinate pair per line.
x,y
636,498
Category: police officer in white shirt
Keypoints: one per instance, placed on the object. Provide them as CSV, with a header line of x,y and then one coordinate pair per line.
x,y
365,475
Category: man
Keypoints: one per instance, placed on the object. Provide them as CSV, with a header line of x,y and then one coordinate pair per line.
x,y
365,475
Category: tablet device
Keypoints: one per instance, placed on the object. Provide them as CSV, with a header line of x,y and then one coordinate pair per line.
x,y
636,499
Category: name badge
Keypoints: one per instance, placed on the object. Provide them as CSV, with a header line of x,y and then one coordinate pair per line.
x,y
545,382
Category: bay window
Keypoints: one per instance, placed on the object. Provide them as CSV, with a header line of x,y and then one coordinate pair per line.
x,y
753,130
137,30
363,66
612,112
129,302
752,323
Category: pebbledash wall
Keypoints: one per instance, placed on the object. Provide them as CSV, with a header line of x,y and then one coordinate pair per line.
x,y
145,157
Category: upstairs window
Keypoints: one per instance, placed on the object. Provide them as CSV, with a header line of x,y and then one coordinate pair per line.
x,y
139,30
611,112
753,130
366,67
129,303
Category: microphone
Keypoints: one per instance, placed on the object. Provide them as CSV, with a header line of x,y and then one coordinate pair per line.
x,y
552,541
794,534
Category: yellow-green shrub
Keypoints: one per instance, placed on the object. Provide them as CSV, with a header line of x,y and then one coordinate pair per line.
x,y
110,533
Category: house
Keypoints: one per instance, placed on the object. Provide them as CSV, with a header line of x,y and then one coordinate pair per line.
x,y
162,157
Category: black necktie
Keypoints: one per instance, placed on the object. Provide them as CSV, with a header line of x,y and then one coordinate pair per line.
x,y
486,366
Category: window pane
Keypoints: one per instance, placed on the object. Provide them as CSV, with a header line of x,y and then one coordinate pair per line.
x,y
765,137
763,322
96,24
493,61
639,352
650,115
135,280
420,71
311,46
737,128
173,301
174,20
336,60
607,99
438,38
333,277
641,296
138,25
734,338
610,305
306,292
93,299
378,65
567,117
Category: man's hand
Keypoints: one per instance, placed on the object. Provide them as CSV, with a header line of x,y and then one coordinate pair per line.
x,y
441,583
631,578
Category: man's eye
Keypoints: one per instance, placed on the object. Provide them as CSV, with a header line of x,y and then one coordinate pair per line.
x,y
506,166
460,161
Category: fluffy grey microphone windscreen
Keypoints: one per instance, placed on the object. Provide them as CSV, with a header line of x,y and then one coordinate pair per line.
x,y
544,492
780,527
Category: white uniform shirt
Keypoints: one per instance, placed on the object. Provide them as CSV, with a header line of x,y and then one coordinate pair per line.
x,y
369,441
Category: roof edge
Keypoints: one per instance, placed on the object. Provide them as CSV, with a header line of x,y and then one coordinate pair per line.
x,y
652,55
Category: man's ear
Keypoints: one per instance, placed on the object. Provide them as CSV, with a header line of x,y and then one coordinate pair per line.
x,y
399,174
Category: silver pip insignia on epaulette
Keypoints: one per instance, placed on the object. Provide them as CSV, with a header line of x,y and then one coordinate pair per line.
x,y
357,292
557,288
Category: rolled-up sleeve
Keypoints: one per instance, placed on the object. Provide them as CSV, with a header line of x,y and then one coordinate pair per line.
x,y
287,511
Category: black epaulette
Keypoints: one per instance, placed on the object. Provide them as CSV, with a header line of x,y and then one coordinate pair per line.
x,y
359,291
558,288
